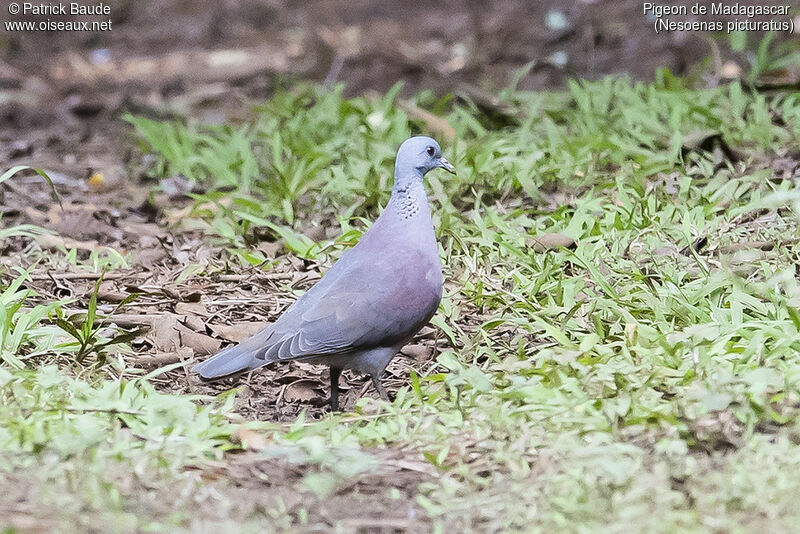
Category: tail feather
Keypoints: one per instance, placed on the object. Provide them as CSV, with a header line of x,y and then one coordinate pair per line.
x,y
236,359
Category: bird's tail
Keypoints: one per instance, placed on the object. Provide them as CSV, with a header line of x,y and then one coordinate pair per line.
x,y
235,359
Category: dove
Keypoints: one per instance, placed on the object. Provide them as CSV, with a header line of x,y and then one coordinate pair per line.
x,y
371,302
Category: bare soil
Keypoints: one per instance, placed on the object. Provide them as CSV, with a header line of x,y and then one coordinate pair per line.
x,y
65,91
61,98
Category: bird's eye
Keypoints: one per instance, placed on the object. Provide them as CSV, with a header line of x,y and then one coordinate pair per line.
x,y
431,151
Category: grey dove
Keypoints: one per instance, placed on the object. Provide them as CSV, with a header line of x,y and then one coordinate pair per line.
x,y
372,301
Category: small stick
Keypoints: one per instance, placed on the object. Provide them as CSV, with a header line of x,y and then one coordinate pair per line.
x,y
157,360
80,276
263,276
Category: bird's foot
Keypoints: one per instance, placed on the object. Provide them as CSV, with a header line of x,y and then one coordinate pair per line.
x,y
334,398
380,389
321,402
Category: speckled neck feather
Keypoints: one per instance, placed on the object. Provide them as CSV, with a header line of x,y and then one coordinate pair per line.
x,y
409,200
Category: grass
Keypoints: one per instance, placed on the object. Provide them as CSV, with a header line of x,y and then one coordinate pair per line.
x,y
646,380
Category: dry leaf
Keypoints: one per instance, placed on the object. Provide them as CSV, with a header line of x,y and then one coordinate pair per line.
x,y
236,332
194,323
143,229
301,391
427,332
201,344
436,124
314,232
157,360
746,245
418,351
57,242
149,257
170,334
249,439
182,215
270,249
666,250
545,242
191,308
785,167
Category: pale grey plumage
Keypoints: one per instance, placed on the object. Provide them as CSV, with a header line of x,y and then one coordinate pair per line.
x,y
372,301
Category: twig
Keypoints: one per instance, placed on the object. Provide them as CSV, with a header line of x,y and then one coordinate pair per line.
x,y
132,319
363,524
119,276
158,360
243,277
753,245
86,410
350,419
80,276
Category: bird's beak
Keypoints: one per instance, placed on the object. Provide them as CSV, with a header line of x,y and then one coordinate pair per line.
x,y
446,165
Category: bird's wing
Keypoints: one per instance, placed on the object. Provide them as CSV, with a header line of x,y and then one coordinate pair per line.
x,y
357,305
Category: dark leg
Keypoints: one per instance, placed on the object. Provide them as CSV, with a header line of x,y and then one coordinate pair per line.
x,y
376,381
335,372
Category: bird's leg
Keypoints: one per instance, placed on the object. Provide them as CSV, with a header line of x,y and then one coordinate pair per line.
x,y
335,372
376,381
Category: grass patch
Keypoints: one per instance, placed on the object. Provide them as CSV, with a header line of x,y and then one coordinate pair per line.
x,y
644,380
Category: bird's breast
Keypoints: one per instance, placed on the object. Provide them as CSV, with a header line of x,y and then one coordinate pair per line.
x,y
420,285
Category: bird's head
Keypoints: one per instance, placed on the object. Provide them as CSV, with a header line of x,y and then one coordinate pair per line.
x,y
418,155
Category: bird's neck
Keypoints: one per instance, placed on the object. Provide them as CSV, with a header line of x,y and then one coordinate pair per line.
x,y
409,199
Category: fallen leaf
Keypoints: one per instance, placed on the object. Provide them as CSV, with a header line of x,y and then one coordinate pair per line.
x,y
666,250
301,391
110,295
434,123
236,332
419,352
188,308
149,257
169,334
746,245
144,229
177,217
202,344
57,242
270,249
427,332
249,439
545,242
314,232
785,167
157,360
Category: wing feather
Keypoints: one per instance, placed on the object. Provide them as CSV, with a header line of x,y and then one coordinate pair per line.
x,y
359,306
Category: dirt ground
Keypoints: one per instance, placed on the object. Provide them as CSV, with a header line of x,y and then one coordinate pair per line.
x,y
64,93
62,96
